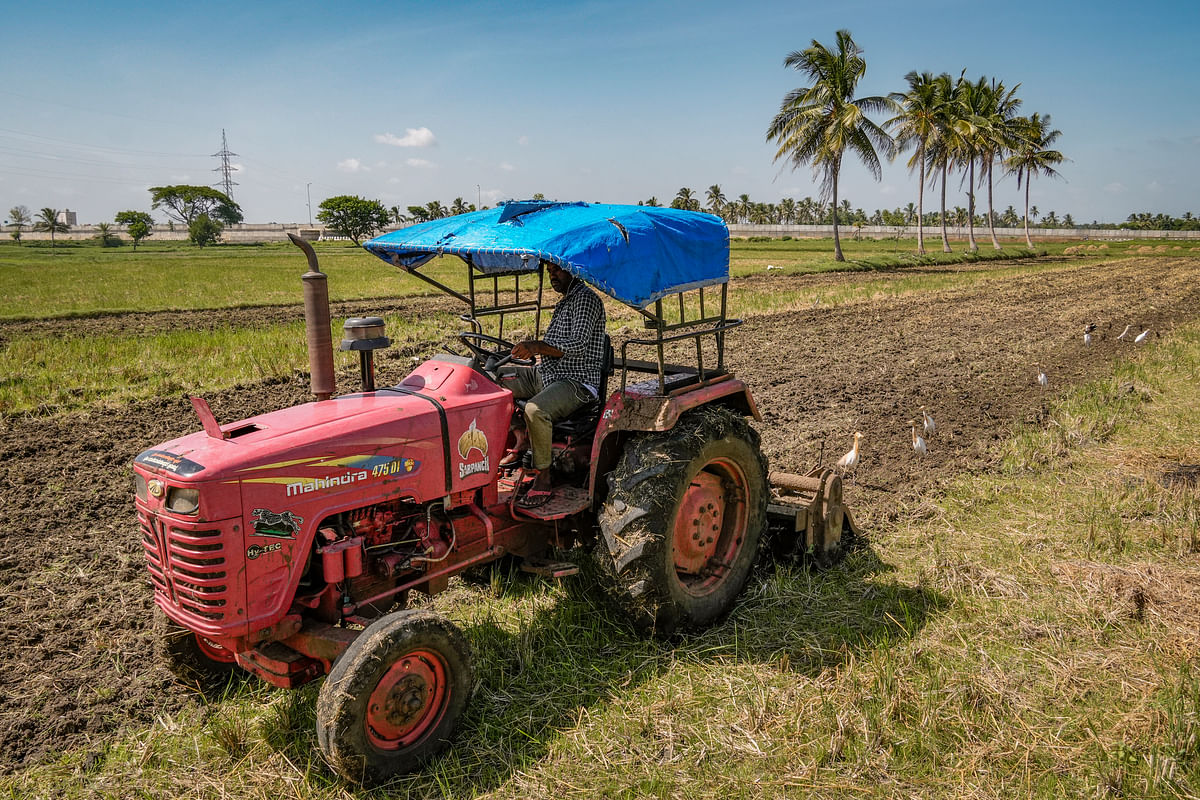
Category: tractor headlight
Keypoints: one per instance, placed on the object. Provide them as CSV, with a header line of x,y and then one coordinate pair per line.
x,y
139,486
183,501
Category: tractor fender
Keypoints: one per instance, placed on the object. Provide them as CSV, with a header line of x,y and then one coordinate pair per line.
x,y
630,411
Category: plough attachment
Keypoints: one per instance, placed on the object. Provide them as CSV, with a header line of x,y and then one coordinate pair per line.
x,y
807,518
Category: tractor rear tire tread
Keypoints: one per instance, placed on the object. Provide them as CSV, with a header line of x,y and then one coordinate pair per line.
x,y
651,477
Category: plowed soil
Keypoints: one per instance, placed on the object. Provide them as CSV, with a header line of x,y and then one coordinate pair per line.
x,y
75,638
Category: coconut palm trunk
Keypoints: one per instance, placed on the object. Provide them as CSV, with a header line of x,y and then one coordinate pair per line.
x,y
921,211
945,237
1028,241
971,245
991,212
837,241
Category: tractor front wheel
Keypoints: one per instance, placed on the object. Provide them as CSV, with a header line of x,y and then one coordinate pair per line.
x,y
682,521
393,699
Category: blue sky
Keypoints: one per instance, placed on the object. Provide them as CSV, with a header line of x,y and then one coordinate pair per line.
x,y
407,102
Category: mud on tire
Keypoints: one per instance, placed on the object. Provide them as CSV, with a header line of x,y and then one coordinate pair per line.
x,y
394,697
682,521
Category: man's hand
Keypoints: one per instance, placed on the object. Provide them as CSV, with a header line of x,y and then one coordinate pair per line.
x,y
531,347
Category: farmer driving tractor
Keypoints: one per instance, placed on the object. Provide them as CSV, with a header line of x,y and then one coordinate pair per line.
x,y
567,377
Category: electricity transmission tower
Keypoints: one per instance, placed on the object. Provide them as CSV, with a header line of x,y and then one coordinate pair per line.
x,y
227,182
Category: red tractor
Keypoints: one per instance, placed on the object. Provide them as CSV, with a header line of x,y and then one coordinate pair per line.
x,y
284,544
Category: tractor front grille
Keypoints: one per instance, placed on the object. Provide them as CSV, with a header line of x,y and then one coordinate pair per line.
x,y
187,567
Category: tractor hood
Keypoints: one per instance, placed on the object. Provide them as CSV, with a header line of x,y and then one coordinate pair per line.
x,y
439,421
267,438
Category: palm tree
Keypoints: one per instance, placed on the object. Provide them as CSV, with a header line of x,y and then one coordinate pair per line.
x,y
917,125
1033,156
946,146
999,136
716,199
105,236
787,210
817,124
685,198
742,207
47,220
459,206
972,130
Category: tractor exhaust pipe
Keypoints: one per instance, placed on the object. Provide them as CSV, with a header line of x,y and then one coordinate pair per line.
x,y
316,324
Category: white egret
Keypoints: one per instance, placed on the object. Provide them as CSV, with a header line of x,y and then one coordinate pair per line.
x,y
1043,380
1141,337
918,442
850,460
1125,332
929,425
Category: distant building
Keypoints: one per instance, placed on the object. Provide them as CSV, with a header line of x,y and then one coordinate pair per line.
x,y
68,217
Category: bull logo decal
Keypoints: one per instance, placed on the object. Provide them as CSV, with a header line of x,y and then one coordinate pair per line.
x,y
283,525
472,439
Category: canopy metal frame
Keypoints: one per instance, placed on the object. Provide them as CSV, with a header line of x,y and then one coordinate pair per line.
x,y
490,295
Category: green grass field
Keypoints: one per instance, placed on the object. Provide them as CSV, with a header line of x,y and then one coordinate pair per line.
x,y
77,279
73,371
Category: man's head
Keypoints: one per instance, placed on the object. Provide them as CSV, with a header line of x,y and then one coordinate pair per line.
x,y
560,279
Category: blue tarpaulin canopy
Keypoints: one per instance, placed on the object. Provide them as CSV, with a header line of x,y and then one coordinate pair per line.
x,y
636,254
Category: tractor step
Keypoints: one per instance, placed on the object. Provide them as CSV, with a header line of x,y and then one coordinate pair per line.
x,y
565,501
549,569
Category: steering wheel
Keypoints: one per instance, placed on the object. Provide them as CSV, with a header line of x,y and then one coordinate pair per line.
x,y
492,359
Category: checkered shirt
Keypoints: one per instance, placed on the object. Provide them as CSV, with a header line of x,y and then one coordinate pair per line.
x,y
577,328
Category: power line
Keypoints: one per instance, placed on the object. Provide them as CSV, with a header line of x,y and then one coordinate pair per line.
x,y
40,138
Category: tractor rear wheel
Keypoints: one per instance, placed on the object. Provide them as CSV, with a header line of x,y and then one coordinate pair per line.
x,y
393,699
191,657
682,521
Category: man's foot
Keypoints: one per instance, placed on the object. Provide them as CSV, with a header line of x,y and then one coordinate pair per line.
x,y
511,457
539,492
518,449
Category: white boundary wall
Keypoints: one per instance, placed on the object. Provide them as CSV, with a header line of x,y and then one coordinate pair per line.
x,y
277,232
982,234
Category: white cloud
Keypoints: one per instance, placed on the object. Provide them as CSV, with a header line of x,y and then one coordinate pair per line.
x,y
413,137
1154,187
523,140
1115,188
351,165
888,189
238,168
420,163
507,167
